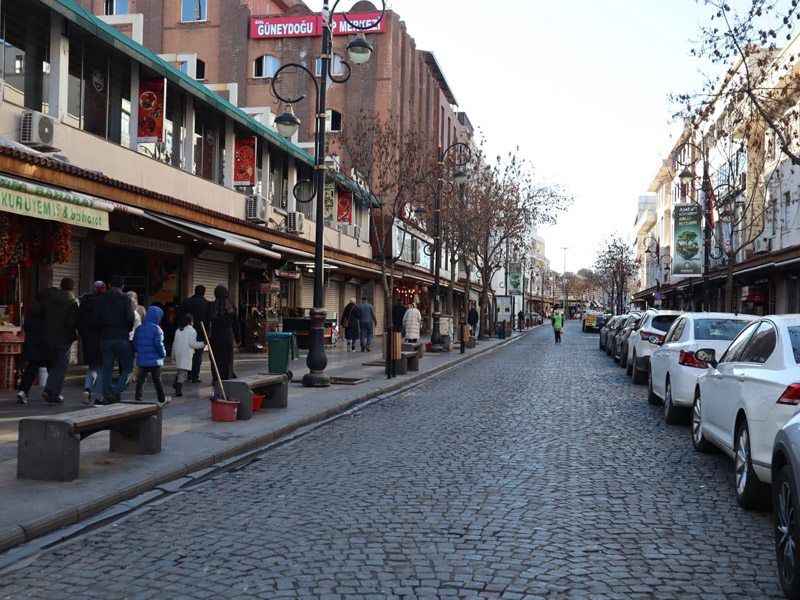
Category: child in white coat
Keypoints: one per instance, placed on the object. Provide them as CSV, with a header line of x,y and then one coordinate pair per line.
x,y
183,348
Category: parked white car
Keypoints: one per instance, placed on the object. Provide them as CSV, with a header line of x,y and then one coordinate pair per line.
x,y
674,369
786,505
742,401
640,348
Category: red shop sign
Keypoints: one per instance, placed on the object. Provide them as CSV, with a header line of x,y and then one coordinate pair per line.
x,y
311,25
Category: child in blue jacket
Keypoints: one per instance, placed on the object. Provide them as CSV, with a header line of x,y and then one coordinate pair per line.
x,y
148,341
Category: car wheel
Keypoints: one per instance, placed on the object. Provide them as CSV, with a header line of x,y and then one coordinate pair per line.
x,y
750,492
637,375
672,414
787,550
700,443
651,395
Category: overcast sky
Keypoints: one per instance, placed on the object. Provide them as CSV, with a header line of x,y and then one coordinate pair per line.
x,y
580,86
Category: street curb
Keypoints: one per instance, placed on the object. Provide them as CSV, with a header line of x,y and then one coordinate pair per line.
x,y
202,468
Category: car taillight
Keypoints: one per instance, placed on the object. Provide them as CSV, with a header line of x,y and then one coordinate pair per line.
x,y
688,359
645,335
791,395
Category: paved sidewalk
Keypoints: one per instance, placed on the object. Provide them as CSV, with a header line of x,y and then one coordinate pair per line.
x,y
193,446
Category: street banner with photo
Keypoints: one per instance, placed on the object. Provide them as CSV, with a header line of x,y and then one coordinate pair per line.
x,y
727,230
152,102
329,206
344,208
688,233
244,170
514,282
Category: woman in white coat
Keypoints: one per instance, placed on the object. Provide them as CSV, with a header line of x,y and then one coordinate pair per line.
x,y
412,321
183,348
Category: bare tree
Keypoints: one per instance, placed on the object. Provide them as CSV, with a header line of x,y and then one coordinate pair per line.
x,y
615,264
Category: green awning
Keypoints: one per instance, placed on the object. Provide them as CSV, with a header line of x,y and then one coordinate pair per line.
x,y
368,199
86,20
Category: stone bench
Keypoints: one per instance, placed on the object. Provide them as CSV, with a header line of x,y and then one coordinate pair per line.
x,y
408,361
274,386
49,447
417,347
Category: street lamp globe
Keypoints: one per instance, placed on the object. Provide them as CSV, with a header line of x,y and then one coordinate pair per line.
x,y
359,49
685,177
460,177
287,122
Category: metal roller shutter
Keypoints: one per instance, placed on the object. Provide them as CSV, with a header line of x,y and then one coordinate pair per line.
x,y
781,297
351,291
307,294
71,269
332,299
210,273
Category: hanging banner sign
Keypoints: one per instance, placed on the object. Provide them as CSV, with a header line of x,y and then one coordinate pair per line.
x,y
152,102
53,210
311,25
244,168
514,283
687,233
344,208
328,208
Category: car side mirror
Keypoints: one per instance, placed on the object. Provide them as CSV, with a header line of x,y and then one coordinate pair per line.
x,y
707,355
655,339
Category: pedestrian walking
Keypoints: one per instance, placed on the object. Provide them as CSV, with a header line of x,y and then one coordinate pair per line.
x,y
183,350
139,313
34,351
169,325
472,320
412,321
366,320
114,316
558,324
398,312
59,307
224,333
148,341
350,324
199,308
90,343
520,320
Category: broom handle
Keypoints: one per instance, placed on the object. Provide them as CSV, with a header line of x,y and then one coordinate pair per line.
x,y
213,362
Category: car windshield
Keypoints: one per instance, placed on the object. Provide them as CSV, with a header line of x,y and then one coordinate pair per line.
x,y
794,338
718,329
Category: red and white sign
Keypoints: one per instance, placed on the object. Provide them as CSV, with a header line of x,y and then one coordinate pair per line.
x,y
244,161
311,25
152,100
344,208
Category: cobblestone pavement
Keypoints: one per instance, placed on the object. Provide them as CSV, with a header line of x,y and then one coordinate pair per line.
x,y
536,471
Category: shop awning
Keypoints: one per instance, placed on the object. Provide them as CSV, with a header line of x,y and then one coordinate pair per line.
x,y
288,250
225,238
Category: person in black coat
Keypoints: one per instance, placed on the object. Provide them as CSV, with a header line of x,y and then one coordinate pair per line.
x,y
472,319
34,351
114,317
398,312
350,316
224,333
199,308
90,342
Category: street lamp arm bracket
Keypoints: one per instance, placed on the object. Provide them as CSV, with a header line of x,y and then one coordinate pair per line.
x,y
297,188
286,99
465,152
356,25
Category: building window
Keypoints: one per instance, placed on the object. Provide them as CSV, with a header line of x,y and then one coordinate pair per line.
x,y
200,72
116,7
334,119
265,66
336,67
193,10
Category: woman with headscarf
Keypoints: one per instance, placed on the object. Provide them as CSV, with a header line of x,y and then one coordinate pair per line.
x,y
350,324
224,333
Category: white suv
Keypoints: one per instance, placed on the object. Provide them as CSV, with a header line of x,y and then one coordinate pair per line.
x,y
653,322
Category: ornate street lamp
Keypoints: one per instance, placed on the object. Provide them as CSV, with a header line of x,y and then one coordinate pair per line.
x,y
459,177
359,50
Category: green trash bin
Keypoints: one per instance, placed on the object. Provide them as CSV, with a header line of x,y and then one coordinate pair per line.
x,y
282,346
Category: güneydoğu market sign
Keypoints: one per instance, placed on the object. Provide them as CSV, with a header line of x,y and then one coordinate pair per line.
x,y
311,25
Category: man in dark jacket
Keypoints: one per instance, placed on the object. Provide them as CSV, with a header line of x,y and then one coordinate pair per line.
x,y
90,342
114,317
200,309
367,320
398,312
59,307
34,351
472,319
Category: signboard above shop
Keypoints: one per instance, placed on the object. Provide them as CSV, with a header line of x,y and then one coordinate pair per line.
x,y
311,25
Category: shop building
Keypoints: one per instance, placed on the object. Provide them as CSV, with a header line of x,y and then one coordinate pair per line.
x,y
121,164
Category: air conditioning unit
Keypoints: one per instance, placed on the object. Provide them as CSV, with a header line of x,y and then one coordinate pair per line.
x,y
762,244
255,209
357,232
295,222
415,251
39,131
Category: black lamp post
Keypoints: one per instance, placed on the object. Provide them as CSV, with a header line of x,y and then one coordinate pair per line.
x,y
359,51
686,177
459,177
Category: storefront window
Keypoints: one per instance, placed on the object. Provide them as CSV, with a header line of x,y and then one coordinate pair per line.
x,y
26,69
209,143
278,194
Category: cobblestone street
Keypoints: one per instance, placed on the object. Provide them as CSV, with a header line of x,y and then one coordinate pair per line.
x,y
534,471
